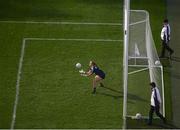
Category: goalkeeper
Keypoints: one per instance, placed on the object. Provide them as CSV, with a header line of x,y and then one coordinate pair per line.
x,y
99,75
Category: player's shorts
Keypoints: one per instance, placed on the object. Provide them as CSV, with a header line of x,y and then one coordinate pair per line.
x,y
102,76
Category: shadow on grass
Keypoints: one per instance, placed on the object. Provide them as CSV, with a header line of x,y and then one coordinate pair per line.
x,y
167,62
120,95
142,124
113,90
110,95
176,59
176,75
135,97
166,126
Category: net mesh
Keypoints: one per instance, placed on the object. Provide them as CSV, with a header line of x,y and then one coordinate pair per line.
x,y
144,65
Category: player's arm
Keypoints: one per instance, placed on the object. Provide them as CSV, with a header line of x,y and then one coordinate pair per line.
x,y
89,73
162,33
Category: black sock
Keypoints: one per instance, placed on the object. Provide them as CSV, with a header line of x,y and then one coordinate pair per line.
x,y
94,90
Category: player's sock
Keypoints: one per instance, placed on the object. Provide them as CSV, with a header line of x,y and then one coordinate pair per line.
x,y
94,91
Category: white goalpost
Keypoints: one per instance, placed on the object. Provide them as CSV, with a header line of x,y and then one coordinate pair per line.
x,y
125,58
141,63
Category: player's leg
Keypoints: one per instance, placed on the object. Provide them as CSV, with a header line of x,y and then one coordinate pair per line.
x,y
163,50
95,82
169,49
159,114
151,111
103,77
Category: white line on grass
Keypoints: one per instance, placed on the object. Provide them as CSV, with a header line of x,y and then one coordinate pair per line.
x,y
64,23
21,65
17,84
69,39
139,22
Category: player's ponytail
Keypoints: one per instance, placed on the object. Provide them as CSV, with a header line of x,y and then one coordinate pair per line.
x,y
93,63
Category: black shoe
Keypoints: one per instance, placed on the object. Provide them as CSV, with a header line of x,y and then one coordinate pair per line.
x,y
101,85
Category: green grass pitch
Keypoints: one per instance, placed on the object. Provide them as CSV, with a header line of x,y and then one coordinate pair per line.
x,y
52,94
58,96
49,74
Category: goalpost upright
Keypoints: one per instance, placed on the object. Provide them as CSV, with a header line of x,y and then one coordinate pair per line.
x,y
125,59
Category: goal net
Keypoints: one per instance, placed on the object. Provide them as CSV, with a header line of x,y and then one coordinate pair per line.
x,y
143,64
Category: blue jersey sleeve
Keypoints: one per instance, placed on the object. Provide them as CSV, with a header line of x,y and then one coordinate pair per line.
x,y
97,71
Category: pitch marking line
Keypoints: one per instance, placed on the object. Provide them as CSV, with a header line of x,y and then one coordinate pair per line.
x,y
74,39
63,23
18,83
21,65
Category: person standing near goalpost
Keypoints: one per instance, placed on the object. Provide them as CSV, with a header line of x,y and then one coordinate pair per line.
x,y
155,103
165,37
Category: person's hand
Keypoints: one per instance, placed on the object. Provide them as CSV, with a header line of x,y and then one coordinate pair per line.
x,y
82,71
83,75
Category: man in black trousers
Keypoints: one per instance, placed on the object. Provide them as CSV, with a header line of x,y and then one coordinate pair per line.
x,y
155,103
165,37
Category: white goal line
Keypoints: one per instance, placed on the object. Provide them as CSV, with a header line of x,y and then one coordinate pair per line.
x,y
63,23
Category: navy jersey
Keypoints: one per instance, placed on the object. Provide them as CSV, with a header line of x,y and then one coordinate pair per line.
x,y
98,72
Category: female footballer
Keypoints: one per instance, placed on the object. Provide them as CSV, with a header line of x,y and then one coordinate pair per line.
x,y
99,75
